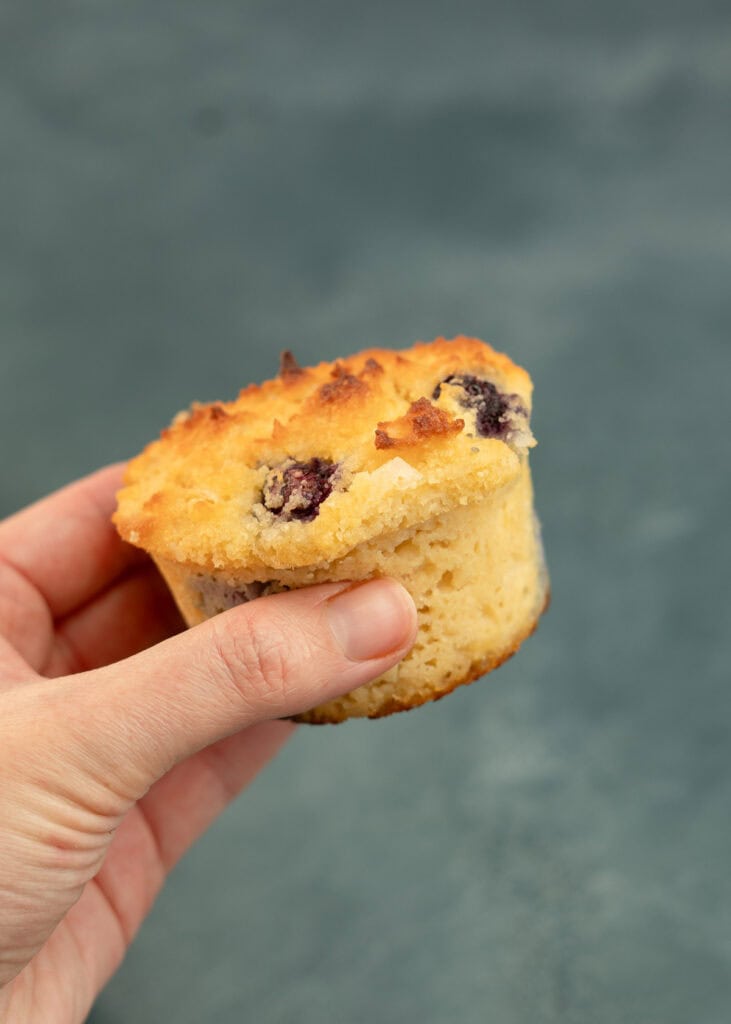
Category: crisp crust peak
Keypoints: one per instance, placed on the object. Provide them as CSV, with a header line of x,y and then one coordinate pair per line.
x,y
422,421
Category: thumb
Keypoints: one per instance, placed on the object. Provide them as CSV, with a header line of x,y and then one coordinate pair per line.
x,y
271,658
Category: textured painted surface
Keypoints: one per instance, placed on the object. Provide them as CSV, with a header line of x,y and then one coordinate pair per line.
x,y
189,188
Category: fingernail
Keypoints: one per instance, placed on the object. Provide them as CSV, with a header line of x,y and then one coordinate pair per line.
x,y
371,620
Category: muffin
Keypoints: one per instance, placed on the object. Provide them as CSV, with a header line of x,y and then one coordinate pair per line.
x,y
409,464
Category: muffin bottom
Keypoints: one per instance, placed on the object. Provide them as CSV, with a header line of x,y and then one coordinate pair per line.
x,y
476,574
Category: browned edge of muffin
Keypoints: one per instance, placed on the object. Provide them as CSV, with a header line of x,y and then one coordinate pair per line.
x,y
394,705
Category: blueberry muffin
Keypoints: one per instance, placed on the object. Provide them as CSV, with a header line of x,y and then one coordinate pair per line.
x,y
410,464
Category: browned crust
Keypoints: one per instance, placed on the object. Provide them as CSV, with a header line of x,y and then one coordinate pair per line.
x,y
371,366
342,388
394,704
199,413
288,365
366,404
346,383
442,352
423,420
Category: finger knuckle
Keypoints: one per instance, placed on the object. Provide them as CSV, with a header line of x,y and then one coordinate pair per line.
x,y
255,660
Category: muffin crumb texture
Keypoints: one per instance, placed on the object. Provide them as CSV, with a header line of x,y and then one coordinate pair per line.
x,y
410,464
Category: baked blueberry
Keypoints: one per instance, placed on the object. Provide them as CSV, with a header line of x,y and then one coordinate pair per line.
x,y
295,490
494,411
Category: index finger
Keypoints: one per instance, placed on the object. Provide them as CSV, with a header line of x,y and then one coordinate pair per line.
x,y
66,546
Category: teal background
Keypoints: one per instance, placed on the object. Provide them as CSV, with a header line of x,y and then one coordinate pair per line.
x,y
187,189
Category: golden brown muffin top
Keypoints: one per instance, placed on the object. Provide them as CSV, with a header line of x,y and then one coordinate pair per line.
x,y
302,468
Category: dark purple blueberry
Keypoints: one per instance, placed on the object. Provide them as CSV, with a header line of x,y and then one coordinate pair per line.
x,y
492,407
295,490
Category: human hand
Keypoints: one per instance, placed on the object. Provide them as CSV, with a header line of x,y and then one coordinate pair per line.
x,y
120,742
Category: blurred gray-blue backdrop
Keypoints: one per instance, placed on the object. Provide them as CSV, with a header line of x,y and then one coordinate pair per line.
x,y
187,188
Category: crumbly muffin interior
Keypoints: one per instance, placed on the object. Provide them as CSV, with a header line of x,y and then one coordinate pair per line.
x,y
477,577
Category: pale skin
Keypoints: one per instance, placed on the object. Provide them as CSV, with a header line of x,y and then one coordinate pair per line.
x,y
122,736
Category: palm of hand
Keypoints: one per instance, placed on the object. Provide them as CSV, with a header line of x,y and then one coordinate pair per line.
x,y
74,598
